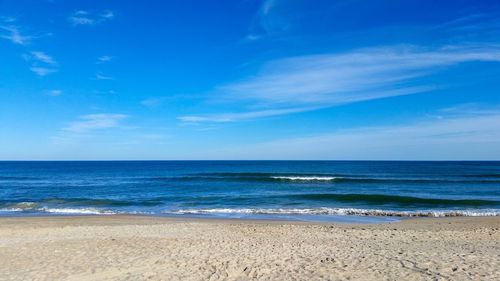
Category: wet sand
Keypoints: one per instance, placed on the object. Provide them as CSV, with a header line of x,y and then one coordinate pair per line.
x,y
154,248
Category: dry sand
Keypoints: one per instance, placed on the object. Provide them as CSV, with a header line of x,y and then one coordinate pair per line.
x,y
139,248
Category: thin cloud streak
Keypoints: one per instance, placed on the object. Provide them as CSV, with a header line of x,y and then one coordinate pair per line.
x,y
262,24
232,117
42,57
82,17
42,71
42,64
92,122
104,59
470,135
108,15
358,75
13,34
327,80
474,22
54,93
100,76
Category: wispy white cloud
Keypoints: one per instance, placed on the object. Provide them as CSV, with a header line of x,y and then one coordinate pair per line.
x,y
263,23
358,75
458,134
41,57
160,100
107,15
54,92
13,34
101,76
40,60
42,64
267,5
104,59
325,80
472,22
82,17
232,117
462,20
92,122
252,37
42,71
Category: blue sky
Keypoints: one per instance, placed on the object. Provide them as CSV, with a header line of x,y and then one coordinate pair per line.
x,y
249,79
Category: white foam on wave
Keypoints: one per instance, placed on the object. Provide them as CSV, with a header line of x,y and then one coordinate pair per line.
x,y
343,212
304,178
6,210
32,207
82,211
273,211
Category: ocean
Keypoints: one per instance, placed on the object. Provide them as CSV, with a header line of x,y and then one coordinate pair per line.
x,y
351,191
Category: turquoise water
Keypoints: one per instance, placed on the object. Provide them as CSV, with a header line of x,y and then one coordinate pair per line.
x,y
302,190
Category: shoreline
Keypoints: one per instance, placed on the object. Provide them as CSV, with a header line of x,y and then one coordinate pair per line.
x,y
117,247
70,219
321,214
313,219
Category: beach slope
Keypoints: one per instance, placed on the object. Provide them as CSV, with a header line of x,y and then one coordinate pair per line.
x,y
140,248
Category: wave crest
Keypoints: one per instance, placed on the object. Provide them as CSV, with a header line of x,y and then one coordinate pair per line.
x,y
77,211
327,178
342,212
304,178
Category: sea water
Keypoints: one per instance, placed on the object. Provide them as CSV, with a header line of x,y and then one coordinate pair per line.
x,y
351,191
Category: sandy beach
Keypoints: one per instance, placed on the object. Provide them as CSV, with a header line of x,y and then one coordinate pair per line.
x,y
140,248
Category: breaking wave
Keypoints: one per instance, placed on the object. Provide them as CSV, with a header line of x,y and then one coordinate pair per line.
x,y
341,212
67,211
304,178
393,199
327,178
